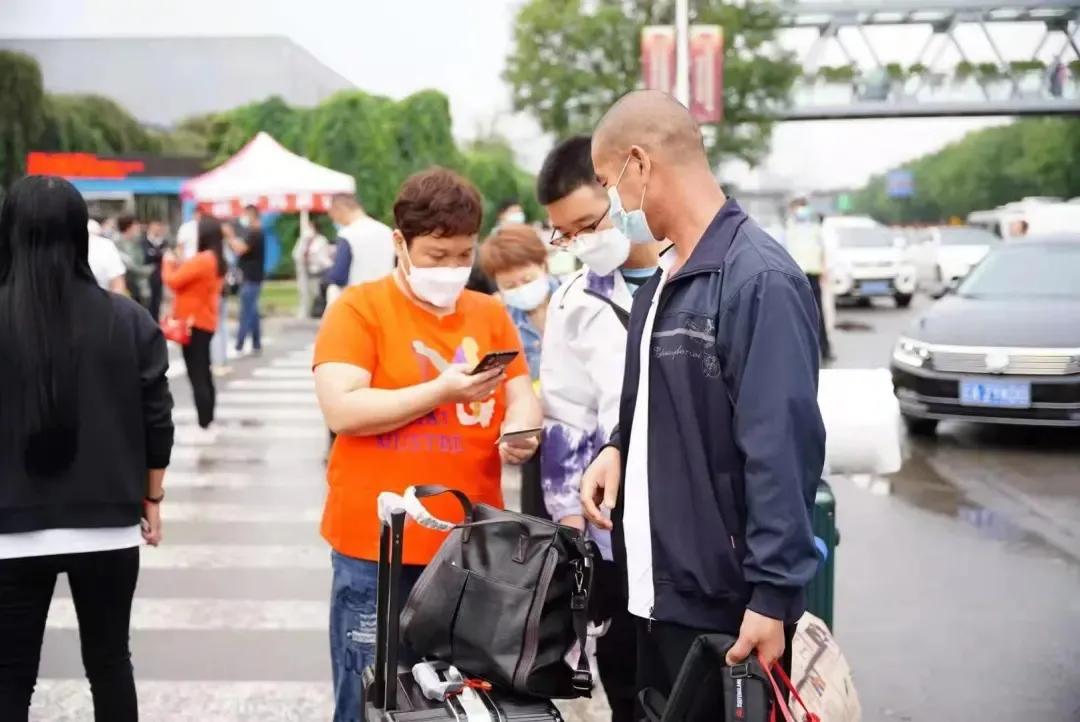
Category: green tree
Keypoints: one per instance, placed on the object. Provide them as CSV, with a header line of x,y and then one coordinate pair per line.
x,y
22,115
570,62
489,164
422,133
94,124
985,169
353,132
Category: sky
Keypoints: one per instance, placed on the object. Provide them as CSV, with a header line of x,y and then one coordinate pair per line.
x,y
459,46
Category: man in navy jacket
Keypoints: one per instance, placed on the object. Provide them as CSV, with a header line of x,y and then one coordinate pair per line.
x,y
712,472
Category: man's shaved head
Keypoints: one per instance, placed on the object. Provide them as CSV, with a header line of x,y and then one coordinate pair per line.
x,y
648,153
656,122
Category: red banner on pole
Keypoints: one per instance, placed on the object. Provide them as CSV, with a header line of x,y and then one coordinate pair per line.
x,y
658,57
707,73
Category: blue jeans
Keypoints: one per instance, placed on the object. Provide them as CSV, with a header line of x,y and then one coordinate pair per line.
x,y
353,600
219,345
249,316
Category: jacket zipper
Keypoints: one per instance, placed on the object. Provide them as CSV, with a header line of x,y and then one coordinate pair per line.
x,y
532,622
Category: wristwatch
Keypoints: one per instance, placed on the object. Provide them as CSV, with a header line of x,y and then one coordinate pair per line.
x,y
155,499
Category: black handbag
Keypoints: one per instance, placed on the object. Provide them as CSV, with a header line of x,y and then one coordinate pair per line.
x,y
505,599
707,690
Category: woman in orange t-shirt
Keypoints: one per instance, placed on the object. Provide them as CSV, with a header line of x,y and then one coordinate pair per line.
x,y
197,285
392,364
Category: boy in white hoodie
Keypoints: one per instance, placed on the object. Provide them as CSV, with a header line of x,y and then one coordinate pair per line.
x,y
581,373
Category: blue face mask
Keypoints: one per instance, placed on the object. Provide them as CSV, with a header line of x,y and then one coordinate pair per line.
x,y
632,224
804,213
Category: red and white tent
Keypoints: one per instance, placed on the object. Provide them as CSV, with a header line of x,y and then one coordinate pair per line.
x,y
266,174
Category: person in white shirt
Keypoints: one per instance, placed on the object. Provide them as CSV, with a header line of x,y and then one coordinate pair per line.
x,y
187,237
365,247
105,261
311,256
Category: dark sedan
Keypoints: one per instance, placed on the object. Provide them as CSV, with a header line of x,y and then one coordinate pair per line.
x,y
1003,346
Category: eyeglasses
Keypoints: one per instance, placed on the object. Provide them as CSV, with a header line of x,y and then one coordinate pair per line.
x,y
563,240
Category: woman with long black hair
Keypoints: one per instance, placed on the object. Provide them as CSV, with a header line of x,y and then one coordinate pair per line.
x,y
85,435
197,283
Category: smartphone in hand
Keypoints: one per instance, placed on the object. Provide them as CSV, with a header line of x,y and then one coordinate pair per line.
x,y
494,360
519,435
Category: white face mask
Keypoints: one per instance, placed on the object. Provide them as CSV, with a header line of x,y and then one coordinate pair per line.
x,y
633,224
602,251
528,296
440,286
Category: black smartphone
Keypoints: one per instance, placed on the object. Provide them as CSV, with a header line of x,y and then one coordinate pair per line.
x,y
522,434
494,360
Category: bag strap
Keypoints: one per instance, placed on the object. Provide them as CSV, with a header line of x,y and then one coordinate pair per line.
x,y
579,611
425,490
620,313
424,518
779,698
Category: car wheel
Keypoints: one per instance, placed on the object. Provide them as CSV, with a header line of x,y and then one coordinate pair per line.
x,y
920,427
903,300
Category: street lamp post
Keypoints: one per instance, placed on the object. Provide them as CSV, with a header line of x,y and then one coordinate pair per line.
x,y
682,51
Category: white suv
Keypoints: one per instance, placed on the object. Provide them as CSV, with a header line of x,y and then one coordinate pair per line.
x,y
868,260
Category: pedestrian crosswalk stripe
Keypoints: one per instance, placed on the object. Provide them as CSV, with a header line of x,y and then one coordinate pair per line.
x,y
204,614
272,384
282,457
178,370
276,373
219,556
277,432
255,414
234,480
292,363
305,398
210,511
68,700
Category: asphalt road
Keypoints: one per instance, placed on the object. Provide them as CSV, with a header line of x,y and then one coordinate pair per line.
x,y
958,578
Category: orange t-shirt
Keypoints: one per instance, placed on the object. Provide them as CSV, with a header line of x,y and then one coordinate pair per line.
x,y
377,327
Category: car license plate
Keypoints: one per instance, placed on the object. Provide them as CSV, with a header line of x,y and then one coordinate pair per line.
x,y
1010,394
874,288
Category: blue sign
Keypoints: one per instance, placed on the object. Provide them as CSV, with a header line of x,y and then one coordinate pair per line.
x,y
900,184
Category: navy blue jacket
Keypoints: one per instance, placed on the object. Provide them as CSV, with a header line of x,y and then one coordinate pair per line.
x,y
736,443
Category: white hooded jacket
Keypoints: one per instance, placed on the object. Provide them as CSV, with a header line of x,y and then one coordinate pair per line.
x,y
581,371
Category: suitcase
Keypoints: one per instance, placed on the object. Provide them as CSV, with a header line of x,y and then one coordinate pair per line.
x,y
391,693
820,591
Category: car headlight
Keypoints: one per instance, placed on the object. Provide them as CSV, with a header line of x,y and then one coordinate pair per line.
x,y
911,353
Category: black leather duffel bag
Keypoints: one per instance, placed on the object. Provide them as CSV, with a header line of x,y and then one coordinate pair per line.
x,y
505,599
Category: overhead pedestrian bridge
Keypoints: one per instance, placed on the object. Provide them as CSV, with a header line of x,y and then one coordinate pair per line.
x,y
965,62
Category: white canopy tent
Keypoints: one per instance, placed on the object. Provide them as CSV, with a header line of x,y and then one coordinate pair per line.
x,y
266,174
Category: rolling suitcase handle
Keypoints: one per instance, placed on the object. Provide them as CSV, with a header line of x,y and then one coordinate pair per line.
x,y
384,688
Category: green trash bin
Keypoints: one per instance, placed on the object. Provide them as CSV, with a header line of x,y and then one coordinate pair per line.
x,y
820,592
